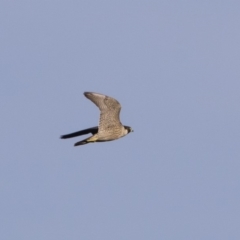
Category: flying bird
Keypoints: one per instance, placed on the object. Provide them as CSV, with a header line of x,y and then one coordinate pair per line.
x,y
110,128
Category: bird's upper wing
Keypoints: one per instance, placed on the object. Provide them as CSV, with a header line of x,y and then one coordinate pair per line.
x,y
110,109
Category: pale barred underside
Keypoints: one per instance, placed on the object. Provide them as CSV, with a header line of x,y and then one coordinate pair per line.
x,y
110,126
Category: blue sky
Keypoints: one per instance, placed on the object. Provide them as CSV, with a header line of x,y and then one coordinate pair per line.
x,y
173,66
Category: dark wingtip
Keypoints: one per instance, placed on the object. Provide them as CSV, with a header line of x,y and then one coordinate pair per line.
x,y
86,93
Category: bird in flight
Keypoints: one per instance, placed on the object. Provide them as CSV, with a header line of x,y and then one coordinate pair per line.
x,y
110,128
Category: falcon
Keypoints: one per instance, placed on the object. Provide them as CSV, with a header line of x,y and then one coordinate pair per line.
x,y
110,128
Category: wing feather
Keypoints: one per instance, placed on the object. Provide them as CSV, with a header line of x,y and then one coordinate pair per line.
x,y
110,110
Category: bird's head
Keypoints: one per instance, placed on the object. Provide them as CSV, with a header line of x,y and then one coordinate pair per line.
x,y
129,129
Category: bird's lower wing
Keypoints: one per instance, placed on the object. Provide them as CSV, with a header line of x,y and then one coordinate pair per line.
x,y
92,130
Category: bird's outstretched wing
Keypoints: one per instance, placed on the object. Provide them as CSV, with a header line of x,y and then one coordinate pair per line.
x,y
92,130
110,110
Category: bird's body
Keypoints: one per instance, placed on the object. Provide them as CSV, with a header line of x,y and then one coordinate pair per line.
x,y
110,128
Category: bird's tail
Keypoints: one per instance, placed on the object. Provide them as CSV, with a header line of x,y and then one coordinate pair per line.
x,y
83,142
91,139
92,130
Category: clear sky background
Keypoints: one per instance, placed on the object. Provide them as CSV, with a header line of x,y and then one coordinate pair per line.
x,y
175,68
